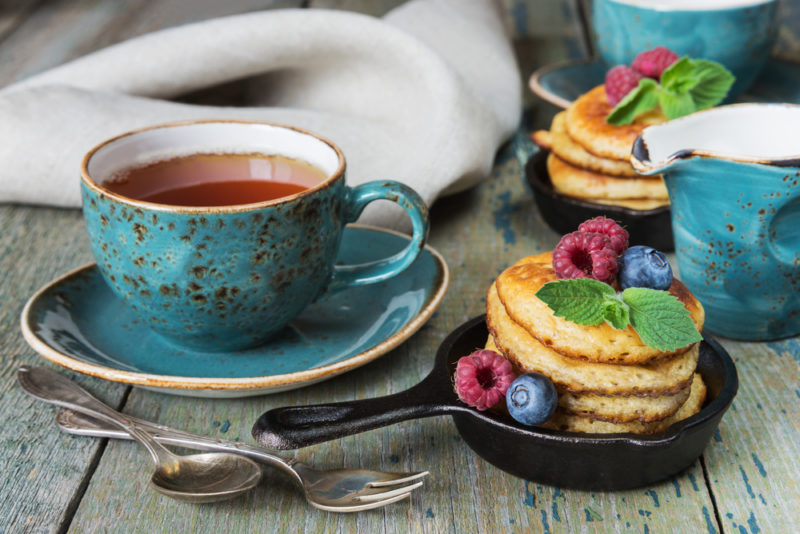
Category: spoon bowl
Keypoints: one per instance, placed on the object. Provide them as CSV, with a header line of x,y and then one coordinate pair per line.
x,y
203,477
332,490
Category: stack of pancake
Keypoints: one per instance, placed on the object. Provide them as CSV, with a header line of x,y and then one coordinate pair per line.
x,y
607,380
590,159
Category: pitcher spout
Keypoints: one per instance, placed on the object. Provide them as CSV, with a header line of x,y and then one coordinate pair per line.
x,y
644,164
763,134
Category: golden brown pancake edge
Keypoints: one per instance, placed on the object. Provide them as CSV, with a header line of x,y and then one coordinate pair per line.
x,y
517,287
612,408
663,377
580,183
586,124
572,423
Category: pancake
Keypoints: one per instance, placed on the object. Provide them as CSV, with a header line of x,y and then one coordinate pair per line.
x,y
543,139
574,423
622,409
568,150
633,204
616,408
517,287
586,124
580,183
663,377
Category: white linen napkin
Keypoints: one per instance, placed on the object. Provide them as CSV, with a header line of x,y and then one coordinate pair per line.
x,y
424,95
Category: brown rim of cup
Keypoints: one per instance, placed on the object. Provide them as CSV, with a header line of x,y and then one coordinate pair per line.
x,y
235,208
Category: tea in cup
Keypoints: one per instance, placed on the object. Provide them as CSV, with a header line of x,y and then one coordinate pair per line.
x,y
739,34
215,179
218,233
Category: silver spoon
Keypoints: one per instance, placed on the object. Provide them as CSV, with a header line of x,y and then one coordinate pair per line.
x,y
334,490
204,477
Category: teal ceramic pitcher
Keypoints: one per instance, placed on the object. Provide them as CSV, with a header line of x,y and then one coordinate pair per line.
x,y
733,176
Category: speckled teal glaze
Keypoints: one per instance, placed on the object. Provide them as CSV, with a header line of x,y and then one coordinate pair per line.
x,y
734,254
736,225
229,278
77,321
740,38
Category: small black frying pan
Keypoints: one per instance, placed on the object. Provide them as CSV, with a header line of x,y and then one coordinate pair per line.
x,y
584,461
563,214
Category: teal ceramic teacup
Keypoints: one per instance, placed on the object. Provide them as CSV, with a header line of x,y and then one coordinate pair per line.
x,y
733,177
230,277
736,33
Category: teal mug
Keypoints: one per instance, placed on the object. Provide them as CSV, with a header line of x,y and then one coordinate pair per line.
x,y
739,34
230,277
733,178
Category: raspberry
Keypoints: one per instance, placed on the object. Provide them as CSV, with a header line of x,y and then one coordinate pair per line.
x,y
653,62
604,225
482,378
585,255
620,81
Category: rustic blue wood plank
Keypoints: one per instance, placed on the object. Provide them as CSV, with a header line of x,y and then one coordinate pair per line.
x,y
754,461
42,469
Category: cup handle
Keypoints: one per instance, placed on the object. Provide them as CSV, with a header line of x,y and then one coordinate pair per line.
x,y
345,276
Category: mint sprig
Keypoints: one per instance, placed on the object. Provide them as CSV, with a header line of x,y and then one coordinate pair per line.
x,y
688,85
616,312
642,98
583,303
660,319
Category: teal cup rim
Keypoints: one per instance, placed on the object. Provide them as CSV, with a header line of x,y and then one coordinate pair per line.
x,y
663,6
97,187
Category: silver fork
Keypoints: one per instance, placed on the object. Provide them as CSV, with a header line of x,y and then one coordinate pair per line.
x,y
339,490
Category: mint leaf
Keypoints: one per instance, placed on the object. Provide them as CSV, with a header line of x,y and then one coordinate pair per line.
x,y
686,86
660,319
643,98
677,76
616,312
580,301
713,83
676,104
706,82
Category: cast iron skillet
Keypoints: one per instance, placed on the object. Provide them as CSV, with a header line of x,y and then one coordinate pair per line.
x,y
584,461
563,214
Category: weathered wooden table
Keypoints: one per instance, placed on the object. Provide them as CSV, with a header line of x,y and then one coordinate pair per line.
x,y
746,481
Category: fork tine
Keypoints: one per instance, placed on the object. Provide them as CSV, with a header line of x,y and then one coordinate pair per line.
x,y
363,506
397,481
387,494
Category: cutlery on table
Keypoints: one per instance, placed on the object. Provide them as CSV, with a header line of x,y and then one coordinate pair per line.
x,y
206,477
342,490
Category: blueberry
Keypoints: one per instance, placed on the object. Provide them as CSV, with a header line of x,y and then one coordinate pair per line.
x,y
531,399
644,267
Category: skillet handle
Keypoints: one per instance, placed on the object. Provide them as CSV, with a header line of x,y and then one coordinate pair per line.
x,y
300,426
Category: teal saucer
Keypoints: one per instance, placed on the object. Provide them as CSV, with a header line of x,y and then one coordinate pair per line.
x,y
78,323
561,83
